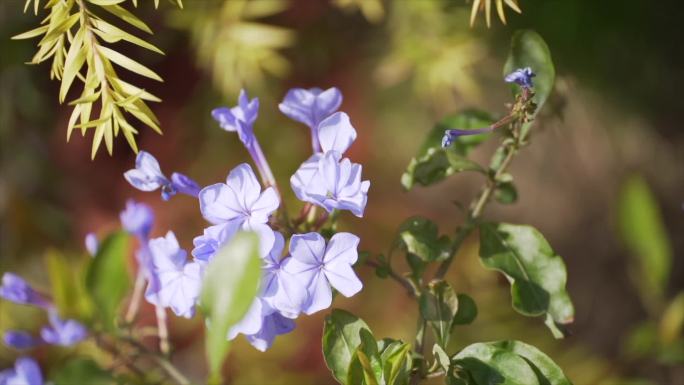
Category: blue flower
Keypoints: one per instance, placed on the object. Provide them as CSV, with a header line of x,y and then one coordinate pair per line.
x,y
63,332
91,244
321,267
15,289
25,372
240,200
18,339
179,281
207,244
240,118
147,176
451,135
522,77
311,107
137,219
328,180
280,289
261,325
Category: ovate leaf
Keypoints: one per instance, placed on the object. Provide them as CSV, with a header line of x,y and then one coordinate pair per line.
x,y
419,236
396,361
341,338
229,288
438,306
509,362
67,286
528,49
107,279
434,163
537,275
467,310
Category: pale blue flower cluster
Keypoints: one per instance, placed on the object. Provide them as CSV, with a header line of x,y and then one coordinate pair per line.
x,y
296,280
58,332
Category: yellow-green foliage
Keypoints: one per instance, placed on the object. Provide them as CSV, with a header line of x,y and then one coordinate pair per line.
x,y
232,45
486,6
74,35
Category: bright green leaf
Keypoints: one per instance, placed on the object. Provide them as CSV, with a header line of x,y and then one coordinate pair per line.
x,y
396,360
107,279
67,286
536,273
340,340
229,288
643,232
81,371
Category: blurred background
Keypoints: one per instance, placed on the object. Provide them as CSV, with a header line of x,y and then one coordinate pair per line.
x,y
603,178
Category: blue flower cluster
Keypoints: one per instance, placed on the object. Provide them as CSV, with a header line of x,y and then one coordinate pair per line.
x,y
296,279
58,332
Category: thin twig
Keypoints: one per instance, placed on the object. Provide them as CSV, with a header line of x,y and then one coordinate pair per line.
x,y
134,305
401,280
162,329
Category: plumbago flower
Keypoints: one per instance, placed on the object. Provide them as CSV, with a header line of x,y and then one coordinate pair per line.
x,y
238,202
320,267
16,290
63,332
328,180
147,176
19,339
179,280
311,107
302,280
25,372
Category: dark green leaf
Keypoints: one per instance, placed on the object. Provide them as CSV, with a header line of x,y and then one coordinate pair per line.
x,y
229,288
438,306
509,362
81,371
643,232
467,310
107,279
506,193
528,49
340,340
434,163
536,273
420,237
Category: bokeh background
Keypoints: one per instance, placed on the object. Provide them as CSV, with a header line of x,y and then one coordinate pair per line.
x,y
613,122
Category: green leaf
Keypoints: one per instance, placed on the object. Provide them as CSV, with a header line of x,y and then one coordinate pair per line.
x,y
366,362
438,306
396,360
419,236
107,279
340,340
32,33
506,193
643,232
536,273
441,357
75,59
67,286
509,363
229,288
81,371
128,63
434,163
467,310
528,49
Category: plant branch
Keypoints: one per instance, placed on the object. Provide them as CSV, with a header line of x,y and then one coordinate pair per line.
x,y
410,289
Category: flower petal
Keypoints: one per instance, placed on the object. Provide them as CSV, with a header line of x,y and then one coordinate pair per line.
x,y
335,133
